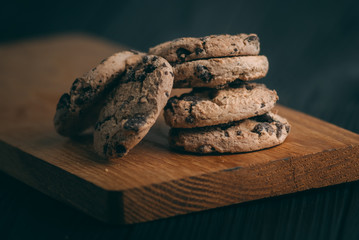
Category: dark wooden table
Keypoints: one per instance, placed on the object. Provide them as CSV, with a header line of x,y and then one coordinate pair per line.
x,y
327,213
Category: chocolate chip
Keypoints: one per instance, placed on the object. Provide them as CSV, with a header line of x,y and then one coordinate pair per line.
x,y
263,105
64,101
233,44
203,73
86,88
167,94
287,128
258,129
251,38
164,65
239,132
145,59
172,101
130,76
154,58
135,122
166,73
120,149
235,49
279,126
198,50
191,118
203,39
149,68
172,74
141,78
103,60
182,53
226,134
75,84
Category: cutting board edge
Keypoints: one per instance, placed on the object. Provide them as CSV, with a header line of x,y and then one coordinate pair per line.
x,y
102,204
294,183
115,203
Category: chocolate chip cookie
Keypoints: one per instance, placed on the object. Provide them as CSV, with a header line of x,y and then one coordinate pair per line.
x,y
219,71
251,134
206,107
185,49
78,110
133,107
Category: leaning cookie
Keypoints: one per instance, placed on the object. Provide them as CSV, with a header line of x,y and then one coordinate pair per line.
x,y
207,107
78,110
219,71
133,107
252,134
185,49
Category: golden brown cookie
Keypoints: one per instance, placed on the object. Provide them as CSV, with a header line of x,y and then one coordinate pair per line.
x,y
247,135
189,48
78,110
133,107
207,107
216,72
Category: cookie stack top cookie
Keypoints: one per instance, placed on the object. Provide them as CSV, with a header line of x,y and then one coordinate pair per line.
x,y
186,49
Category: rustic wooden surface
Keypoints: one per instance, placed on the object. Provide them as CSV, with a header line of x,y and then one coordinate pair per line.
x,y
151,182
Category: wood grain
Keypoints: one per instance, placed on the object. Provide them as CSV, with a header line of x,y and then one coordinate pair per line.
x,y
152,182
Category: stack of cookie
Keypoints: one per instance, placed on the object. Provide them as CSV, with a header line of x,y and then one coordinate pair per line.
x,y
123,96
224,112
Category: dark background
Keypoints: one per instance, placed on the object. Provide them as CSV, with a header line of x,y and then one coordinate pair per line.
x,y
313,51
312,46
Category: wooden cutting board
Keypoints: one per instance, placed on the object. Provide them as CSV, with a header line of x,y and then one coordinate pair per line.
x,y
152,182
